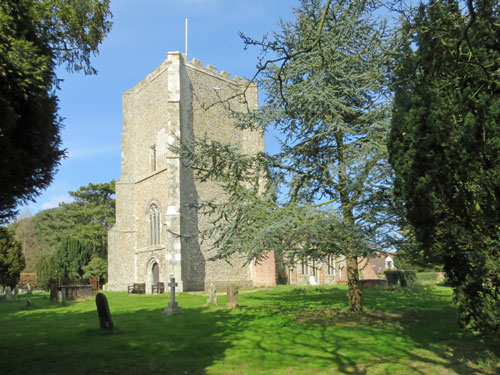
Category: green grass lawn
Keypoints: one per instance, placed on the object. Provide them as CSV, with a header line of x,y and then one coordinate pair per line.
x,y
282,330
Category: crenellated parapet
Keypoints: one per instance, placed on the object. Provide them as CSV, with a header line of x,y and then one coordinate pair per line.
x,y
195,64
212,70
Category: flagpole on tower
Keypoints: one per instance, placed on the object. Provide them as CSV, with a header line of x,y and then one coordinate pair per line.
x,y
186,38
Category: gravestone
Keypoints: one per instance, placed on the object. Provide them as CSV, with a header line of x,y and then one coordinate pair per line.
x,y
232,295
103,311
60,297
8,294
28,288
173,306
16,292
212,295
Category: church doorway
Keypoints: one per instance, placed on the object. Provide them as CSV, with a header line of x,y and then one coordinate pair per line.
x,y
156,273
153,274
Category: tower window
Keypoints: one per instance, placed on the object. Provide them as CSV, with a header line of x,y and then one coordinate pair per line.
x,y
154,225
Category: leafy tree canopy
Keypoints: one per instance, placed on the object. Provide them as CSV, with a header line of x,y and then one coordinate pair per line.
x,y
11,259
35,37
445,147
70,258
328,190
87,219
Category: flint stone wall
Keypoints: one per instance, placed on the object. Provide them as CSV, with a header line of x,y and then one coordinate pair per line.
x,y
179,99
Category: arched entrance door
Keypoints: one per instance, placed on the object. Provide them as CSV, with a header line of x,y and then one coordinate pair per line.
x,y
153,274
156,274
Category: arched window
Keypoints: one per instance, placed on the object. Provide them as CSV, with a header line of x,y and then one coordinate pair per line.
x,y
154,224
330,265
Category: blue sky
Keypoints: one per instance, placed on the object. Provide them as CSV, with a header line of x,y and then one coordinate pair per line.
x,y
142,34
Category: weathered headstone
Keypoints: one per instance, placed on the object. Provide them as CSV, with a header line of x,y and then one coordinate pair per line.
x,y
60,297
103,310
232,295
8,294
212,295
173,306
28,288
16,292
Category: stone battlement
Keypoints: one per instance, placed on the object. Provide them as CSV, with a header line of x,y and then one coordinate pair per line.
x,y
194,63
213,70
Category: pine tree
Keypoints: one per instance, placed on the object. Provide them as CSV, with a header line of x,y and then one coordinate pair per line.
x,y
35,37
70,258
445,148
327,192
11,259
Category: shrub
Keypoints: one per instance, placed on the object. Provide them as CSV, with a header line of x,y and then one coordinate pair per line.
x,y
11,259
70,258
404,278
46,269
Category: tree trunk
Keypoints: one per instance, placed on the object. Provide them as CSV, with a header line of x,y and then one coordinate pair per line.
x,y
355,290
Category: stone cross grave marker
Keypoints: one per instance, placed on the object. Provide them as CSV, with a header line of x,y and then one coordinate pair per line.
x,y
232,295
8,294
173,306
103,311
212,295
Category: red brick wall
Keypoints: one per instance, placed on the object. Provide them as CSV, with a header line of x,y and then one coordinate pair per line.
x,y
367,269
265,271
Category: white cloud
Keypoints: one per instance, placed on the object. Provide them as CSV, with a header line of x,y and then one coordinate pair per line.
x,y
92,152
54,201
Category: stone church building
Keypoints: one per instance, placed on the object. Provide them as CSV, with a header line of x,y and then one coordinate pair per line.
x,y
156,192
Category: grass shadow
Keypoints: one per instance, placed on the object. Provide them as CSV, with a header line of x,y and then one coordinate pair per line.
x,y
145,341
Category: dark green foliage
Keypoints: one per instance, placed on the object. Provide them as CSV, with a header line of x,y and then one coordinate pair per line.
x,y
445,148
35,37
91,215
46,269
97,267
403,278
11,259
70,258
87,219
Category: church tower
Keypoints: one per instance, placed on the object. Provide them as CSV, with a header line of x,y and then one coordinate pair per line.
x,y
155,192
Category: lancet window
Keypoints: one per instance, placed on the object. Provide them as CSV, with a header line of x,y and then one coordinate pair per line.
x,y
154,224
